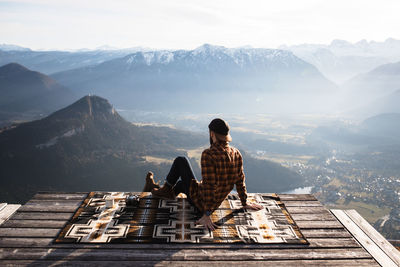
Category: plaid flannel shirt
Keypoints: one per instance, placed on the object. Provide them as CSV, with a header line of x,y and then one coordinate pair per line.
x,y
221,169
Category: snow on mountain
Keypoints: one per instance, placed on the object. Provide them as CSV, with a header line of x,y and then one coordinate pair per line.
x,y
150,57
206,53
187,79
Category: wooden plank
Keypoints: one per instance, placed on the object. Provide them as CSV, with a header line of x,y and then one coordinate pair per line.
x,y
10,242
182,254
60,196
49,208
2,206
65,216
302,203
322,233
374,235
307,210
378,254
15,242
313,217
53,202
29,232
319,224
298,197
34,224
167,263
8,211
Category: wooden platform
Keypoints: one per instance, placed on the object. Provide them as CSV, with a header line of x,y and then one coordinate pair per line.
x,y
7,210
382,251
26,238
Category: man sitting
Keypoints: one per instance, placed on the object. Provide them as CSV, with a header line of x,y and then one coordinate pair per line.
x,y
221,169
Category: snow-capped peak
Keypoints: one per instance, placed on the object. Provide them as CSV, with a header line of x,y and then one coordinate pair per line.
x,y
239,56
151,57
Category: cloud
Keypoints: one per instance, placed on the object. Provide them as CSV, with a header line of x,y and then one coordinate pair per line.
x,y
187,24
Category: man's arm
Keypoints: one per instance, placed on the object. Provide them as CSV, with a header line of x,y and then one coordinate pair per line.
x,y
240,184
241,187
208,180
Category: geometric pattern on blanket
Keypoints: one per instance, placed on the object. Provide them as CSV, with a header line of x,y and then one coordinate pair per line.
x,y
155,220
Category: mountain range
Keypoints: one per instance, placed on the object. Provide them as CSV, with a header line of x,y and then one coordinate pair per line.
x,y
89,146
218,79
207,79
28,94
10,47
380,81
374,92
372,137
49,62
385,125
385,104
341,60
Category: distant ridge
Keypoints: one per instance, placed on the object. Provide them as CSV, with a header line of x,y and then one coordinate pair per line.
x,y
48,62
250,79
382,80
386,124
11,47
24,91
373,86
385,104
13,69
341,60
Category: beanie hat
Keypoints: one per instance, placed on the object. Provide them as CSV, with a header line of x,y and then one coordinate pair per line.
x,y
221,128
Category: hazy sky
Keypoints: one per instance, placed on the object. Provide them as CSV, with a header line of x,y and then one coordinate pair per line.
x,y
72,24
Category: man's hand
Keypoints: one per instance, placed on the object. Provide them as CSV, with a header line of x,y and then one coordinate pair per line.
x,y
206,222
253,206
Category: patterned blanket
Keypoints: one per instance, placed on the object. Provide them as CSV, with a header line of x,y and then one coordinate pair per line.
x,y
162,221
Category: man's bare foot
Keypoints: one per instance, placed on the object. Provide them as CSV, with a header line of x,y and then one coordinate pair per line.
x,y
150,184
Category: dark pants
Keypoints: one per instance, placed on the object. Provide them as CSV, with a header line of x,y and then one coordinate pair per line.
x,y
181,168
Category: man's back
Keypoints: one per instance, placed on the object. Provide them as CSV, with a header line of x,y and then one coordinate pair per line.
x,y
221,168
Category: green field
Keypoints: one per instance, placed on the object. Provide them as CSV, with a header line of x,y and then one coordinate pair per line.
x,y
370,212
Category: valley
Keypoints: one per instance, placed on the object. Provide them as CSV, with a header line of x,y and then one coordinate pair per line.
x,y
339,174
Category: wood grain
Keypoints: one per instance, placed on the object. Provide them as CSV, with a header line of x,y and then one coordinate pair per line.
x,y
2,205
379,255
8,211
168,263
64,216
375,236
11,242
27,239
182,254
